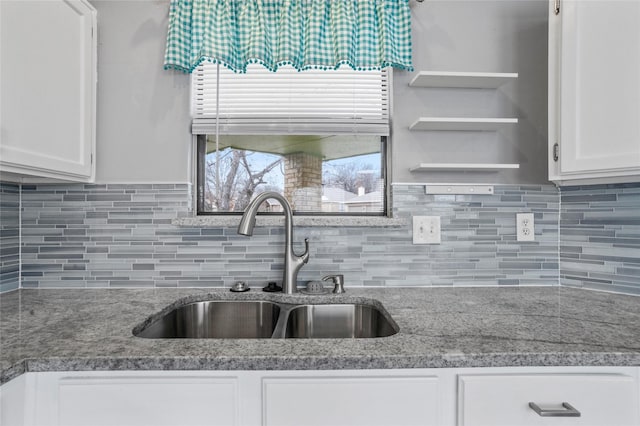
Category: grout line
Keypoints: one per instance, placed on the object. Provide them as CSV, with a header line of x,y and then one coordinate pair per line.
x,y
559,236
20,235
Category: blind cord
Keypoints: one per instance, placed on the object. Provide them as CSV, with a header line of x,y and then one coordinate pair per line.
x,y
219,194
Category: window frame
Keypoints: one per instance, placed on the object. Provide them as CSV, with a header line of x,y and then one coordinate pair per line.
x,y
200,158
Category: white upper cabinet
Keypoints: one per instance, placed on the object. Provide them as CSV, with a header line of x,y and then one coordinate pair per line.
x,y
47,89
594,91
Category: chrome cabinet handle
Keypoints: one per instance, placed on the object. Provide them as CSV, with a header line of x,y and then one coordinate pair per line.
x,y
568,411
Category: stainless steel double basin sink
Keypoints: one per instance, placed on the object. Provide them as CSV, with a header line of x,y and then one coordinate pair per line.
x,y
258,319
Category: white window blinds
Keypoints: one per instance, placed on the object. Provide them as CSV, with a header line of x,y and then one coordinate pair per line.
x,y
312,102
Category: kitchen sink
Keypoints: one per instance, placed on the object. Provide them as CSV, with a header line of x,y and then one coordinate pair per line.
x,y
220,319
337,321
249,319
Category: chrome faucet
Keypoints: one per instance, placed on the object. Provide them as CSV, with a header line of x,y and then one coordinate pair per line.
x,y
292,262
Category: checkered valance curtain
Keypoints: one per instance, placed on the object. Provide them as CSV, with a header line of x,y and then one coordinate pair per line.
x,y
306,34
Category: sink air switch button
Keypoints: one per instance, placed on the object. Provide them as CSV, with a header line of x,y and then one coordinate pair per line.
x,y
239,287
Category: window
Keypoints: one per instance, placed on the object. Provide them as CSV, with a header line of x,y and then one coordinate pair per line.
x,y
317,137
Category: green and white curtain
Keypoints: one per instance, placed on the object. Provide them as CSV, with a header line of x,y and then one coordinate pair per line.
x,y
306,34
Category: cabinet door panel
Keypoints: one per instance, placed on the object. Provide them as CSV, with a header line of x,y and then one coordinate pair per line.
x,y
602,399
13,402
146,401
350,401
48,88
600,86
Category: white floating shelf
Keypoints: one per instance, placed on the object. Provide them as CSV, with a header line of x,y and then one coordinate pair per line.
x,y
469,80
462,124
466,167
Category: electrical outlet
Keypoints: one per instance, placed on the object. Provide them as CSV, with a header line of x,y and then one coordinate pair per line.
x,y
525,227
426,230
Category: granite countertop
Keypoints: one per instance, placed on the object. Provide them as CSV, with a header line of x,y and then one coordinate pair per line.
x,y
90,329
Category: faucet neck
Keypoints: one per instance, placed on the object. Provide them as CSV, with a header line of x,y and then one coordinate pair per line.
x,y
292,262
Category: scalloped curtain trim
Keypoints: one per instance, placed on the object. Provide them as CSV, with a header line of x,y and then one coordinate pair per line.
x,y
304,34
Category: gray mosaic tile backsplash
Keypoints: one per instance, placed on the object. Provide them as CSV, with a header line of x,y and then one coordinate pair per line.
x,y
121,236
9,236
600,237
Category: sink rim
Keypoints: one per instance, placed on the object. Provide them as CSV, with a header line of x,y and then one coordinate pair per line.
x,y
286,303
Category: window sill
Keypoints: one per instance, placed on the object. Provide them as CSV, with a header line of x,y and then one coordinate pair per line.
x,y
306,221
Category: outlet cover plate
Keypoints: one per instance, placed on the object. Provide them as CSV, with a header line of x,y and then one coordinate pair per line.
x,y
525,227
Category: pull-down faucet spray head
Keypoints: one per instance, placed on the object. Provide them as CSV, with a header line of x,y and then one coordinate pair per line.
x,y
292,262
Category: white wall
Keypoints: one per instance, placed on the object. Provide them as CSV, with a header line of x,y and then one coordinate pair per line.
x,y
143,124
481,36
143,118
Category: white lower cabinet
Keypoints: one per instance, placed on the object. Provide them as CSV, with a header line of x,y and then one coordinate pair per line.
x,y
13,405
186,398
342,400
464,397
562,399
126,399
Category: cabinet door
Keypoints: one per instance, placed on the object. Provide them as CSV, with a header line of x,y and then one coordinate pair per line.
x,y
151,399
594,88
342,401
13,402
47,86
601,399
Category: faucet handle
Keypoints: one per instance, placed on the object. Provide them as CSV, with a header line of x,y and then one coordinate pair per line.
x,y
338,281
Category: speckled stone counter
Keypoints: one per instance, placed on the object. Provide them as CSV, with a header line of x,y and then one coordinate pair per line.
x,y
90,329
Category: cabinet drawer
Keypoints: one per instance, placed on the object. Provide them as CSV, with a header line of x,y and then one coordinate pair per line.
x,y
144,401
601,399
350,401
